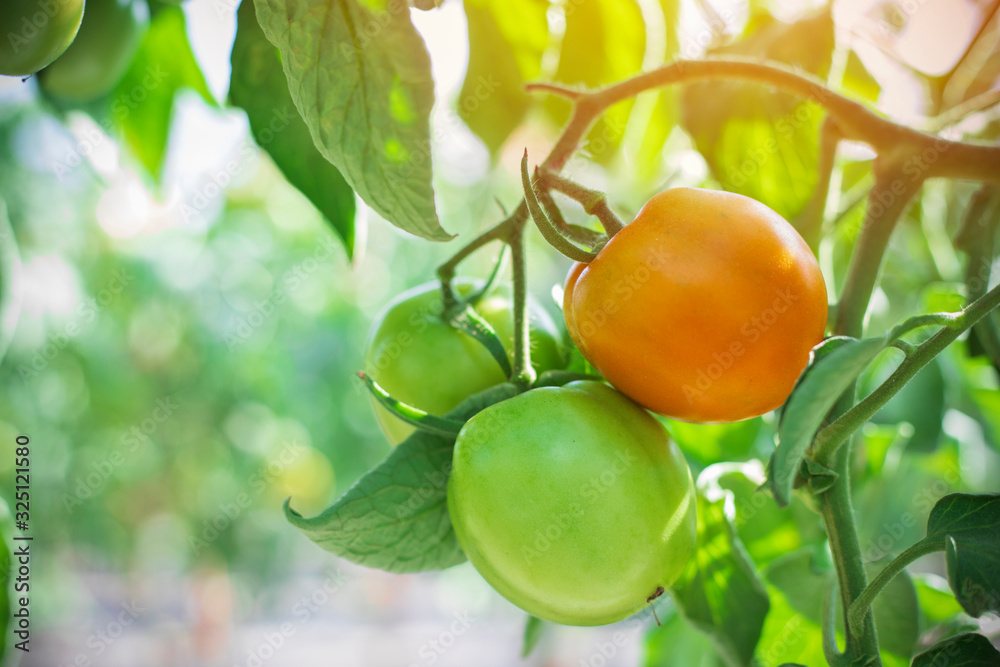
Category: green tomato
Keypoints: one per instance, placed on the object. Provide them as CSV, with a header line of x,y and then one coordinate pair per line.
x,y
97,59
36,32
572,502
420,360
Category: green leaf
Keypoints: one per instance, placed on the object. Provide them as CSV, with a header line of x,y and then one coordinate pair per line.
x,y
859,81
534,628
939,610
604,42
966,650
823,383
144,98
258,85
766,530
919,403
757,141
797,584
673,643
395,518
719,592
792,629
711,443
897,618
967,525
506,41
360,76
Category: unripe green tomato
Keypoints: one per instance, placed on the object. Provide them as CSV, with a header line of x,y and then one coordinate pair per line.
x,y
420,360
97,59
35,32
572,502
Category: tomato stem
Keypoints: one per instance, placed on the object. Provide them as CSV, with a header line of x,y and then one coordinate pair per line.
x,y
977,237
545,226
886,203
931,155
522,374
861,606
593,201
810,222
833,436
581,235
446,272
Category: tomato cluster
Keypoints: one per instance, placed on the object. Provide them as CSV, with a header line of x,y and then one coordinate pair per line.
x,y
572,501
79,55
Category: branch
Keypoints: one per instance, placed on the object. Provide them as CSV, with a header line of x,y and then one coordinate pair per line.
x,y
861,605
926,154
829,440
888,199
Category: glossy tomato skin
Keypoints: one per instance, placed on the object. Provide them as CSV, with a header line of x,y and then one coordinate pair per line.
x,y
36,32
420,360
572,502
97,59
704,308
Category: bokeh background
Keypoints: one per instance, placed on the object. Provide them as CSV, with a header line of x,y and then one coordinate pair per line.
x,y
184,354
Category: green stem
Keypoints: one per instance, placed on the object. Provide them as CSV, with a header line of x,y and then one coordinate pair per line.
x,y
810,222
859,608
443,426
829,440
575,233
977,237
523,374
888,200
929,155
446,272
593,202
886,203
927,320
833,655
545,226
841,529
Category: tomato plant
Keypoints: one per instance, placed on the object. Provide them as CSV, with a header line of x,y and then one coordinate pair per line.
x,y
36,33
415,355
96,60
572,502
770,435
717,302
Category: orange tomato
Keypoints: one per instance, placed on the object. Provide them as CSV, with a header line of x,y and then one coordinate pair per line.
x,y
704,308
